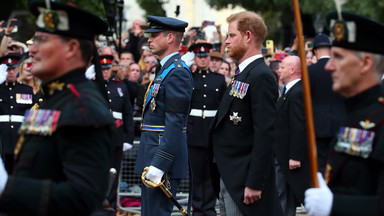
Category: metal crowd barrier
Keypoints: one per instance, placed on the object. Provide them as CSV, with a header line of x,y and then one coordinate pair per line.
x,y
129,187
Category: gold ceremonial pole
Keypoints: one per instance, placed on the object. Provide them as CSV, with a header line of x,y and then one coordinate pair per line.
x,y
307,98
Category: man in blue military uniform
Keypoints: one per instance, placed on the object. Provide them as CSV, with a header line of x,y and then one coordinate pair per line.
x,y
163,143
15,99
208,89
355,169
121,109
65,147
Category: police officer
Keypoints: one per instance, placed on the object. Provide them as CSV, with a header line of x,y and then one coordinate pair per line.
x,y
355,170
121,109
15,98
163,143
208,88
65,146
328,106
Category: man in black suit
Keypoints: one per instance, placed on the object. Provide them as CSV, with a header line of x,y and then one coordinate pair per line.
x,y
291,151
328,106
242,132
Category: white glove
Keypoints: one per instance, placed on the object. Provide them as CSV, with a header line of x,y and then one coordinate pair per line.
x,y
90,73
126,146
188,58
154,174
318,201
3,176
3,73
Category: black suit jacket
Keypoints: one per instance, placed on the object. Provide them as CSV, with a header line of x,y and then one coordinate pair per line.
x,y
328,106
244,152
291,139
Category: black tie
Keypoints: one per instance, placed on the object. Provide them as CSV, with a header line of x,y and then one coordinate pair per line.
x,y
284,91
282,94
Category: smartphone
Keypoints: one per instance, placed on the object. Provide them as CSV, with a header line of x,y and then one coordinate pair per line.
x,y
208,23
13,23
310,45
264,51
280,56
270,47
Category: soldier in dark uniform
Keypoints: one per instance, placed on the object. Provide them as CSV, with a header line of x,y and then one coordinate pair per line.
x,y
65,146
355,169
163,143
15,99
208,89
121,109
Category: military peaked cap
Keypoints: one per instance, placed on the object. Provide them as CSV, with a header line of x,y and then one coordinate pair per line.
x,y
159,24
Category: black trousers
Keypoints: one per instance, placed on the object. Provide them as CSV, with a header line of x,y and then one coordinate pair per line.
x,y
203,195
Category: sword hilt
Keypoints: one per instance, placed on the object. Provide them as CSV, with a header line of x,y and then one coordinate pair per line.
x,y
147,182
161,185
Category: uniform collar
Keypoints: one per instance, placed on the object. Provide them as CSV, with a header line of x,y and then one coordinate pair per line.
x,y
165,59
61,83
10,83
364,99
203,71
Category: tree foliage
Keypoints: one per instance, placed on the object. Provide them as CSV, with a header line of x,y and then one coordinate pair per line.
x,y
278,13
370,8
152,7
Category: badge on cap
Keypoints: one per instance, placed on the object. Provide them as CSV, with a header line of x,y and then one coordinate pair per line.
x,y
344,30
340,31
51,19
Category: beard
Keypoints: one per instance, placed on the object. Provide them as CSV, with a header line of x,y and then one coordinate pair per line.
x,y
237,52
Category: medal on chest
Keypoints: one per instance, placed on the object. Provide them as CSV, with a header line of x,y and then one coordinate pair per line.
x,y
355,141
155,91
235,118
23,98
120,92
40,122
239,89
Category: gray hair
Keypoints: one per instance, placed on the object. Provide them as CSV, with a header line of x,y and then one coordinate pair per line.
x,y
378,66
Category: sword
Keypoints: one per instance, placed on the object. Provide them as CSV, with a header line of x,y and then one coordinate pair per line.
x,y
164,188
111,179
112,176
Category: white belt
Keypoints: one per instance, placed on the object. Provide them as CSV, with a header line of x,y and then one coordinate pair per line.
x,y
203,113
11,118
117,115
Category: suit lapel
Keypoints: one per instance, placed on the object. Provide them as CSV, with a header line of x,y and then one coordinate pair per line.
x,y
283,98
227,99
